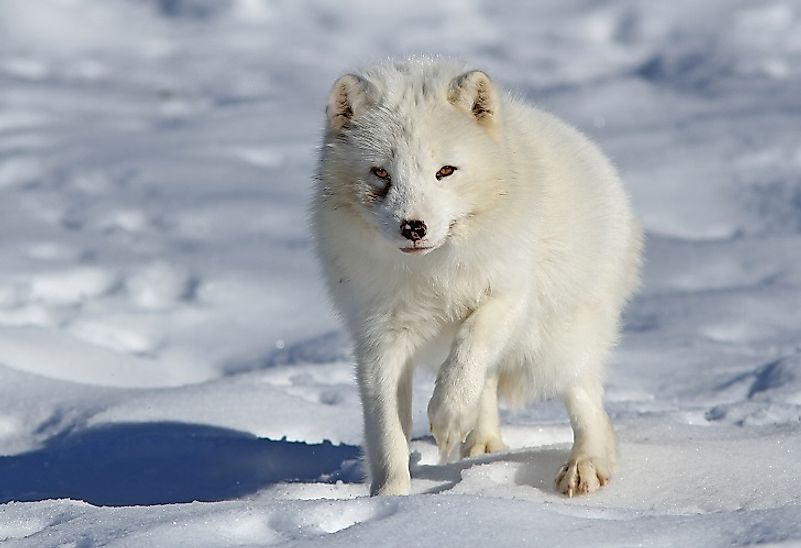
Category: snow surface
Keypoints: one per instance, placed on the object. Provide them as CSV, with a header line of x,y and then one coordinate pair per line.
x,y
170,372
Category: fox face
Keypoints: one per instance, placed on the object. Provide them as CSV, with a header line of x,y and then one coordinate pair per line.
x,y
414,158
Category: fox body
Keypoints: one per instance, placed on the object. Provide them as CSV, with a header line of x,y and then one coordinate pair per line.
x,y
447,210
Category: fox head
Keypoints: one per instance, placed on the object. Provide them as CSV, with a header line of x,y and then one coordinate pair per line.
x,y
414,148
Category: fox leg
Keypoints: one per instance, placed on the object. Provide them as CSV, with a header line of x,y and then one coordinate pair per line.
x,y
486,436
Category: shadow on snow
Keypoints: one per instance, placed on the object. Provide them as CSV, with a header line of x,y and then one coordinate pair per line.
x,y
538,467
167,462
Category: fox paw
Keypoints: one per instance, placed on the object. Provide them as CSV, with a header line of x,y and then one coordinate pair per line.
x,y
451,421
582,476
398,486
476,445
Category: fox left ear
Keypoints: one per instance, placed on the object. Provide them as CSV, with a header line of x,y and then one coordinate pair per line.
x,y
350,96
475,93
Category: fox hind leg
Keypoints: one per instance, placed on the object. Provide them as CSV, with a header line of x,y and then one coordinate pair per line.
x,y
486,436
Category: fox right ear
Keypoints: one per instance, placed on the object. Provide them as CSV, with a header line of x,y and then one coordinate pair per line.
x,y
475,93
350,96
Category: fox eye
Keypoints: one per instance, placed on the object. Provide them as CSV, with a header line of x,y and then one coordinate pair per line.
x,y
445,171
380,172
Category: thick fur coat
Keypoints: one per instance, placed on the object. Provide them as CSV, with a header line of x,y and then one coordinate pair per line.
x,y
446,210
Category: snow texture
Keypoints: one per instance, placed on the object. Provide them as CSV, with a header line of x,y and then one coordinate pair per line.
x,y
172,375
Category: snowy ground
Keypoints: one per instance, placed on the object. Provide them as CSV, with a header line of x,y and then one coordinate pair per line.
x,y
164,336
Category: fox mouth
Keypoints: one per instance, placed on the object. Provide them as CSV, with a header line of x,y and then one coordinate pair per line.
x,y
417,250
421,248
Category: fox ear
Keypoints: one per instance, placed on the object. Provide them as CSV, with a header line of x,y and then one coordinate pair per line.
x,y
350,96
475,93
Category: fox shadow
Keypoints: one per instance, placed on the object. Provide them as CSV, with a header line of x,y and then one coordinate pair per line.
x,y
537,468
167,462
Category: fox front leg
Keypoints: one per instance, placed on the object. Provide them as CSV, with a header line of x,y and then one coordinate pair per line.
x,y
383,375
481,340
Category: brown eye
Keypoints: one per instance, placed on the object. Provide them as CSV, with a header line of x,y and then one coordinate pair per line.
x,y
445,171
380,172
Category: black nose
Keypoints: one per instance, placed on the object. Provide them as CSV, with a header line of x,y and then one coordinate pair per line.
x,y
413,230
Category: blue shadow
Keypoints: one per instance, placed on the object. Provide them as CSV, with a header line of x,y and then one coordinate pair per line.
x,y
166,462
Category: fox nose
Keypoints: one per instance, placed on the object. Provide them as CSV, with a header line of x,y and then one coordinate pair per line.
x,y
413,230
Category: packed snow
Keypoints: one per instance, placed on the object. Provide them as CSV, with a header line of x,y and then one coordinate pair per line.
x,y
171,373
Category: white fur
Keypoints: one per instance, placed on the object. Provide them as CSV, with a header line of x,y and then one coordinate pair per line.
x,y
533,252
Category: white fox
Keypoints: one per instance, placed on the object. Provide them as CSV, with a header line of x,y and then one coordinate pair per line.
x,y
446,208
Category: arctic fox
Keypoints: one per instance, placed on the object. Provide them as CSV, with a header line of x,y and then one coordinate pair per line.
x,y
445,208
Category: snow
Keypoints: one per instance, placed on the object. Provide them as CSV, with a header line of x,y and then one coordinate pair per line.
x,y
171,373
